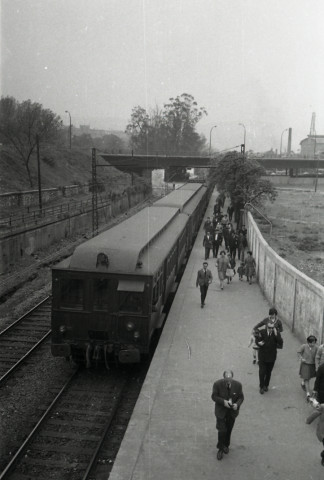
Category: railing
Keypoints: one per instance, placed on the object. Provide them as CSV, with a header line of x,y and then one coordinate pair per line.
x,y
260,213
20,221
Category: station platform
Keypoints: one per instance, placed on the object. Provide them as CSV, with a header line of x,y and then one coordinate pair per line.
x,y
172,433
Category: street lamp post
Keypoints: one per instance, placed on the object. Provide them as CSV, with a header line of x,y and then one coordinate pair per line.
x,y
215,126
242,125
70,130
285,130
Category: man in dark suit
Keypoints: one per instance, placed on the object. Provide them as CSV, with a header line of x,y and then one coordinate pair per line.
x,y
228,397
268,340
208,243
319,384
204,278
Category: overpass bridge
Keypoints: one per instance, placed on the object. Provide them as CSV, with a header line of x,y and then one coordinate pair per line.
x,y
137,163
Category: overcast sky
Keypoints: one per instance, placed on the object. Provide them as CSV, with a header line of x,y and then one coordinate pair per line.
x,y
256,62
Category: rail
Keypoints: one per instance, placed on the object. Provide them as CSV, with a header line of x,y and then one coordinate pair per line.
x,y
260,213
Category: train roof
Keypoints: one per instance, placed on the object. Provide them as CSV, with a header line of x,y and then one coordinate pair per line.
x,y
194,201
191,186
177,198
124,248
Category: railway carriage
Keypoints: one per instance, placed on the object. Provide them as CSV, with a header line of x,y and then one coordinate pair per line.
x,y
109,296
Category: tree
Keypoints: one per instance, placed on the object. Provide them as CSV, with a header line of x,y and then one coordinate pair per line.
x,y
240,178
170,130
21,123
139,129
181,116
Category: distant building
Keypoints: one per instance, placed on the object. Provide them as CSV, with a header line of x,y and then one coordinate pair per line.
x,y
313,144
86,130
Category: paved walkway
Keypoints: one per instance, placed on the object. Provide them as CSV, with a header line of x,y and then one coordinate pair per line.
x,y
172,432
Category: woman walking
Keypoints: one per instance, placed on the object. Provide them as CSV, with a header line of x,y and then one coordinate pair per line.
x,y
222,265
307,353
249,266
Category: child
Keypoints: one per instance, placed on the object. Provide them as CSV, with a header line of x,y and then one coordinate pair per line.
x,y
307,370
255,348
240,270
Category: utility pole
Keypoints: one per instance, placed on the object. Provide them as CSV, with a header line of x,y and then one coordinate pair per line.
x,y
39,175
94,194
70,128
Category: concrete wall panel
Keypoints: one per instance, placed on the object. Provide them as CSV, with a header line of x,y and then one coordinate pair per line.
x,y
298,299
14,246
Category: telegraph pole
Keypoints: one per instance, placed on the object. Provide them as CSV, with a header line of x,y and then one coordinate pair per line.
x,y
94,194
39,175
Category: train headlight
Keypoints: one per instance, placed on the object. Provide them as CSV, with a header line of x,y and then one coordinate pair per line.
x,y
136,335
130,326
62,329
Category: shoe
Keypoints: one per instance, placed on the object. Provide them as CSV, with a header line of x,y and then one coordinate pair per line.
x,y
222,288
261,391
303,387
265,389
250,283
219,454
254,362
225,450
202,305
308,397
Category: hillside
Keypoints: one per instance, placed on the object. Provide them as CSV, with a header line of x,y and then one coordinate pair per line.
x,y
59,166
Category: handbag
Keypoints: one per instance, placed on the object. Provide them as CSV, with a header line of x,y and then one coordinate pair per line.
x,y
229,272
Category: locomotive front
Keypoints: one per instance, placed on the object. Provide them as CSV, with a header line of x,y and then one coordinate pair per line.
x,y
103,295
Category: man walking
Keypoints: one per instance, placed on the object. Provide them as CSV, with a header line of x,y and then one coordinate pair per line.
x,y
268,340
204,278
228,397
208,243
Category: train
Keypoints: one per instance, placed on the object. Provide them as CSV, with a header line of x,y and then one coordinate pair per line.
x,y
109,296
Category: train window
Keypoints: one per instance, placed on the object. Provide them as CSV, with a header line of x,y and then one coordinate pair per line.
x,y
130,302
72,293
155,294
100,294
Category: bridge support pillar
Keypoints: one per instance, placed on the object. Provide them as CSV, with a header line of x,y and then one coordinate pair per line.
x,y
176,174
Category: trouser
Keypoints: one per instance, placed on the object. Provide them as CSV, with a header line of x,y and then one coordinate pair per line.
x,y
225,426
203,292
265,369
207,250
215,249
233,251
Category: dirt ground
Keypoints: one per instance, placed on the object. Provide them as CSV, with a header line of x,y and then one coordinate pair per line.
x,y
297,235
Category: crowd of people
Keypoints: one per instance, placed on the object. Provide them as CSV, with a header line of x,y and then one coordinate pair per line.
x,y
228,247
265,338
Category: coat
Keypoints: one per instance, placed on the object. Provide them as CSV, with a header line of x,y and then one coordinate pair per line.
x,y
208,241
320,425
203,279
319,383
319,359
221,393
263,324
268,351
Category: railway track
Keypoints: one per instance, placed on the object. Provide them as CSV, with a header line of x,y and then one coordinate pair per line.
x,y
79,434
20,339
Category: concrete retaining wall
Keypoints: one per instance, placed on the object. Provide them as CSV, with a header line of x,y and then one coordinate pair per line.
x,y
30,197
15,246
298,299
